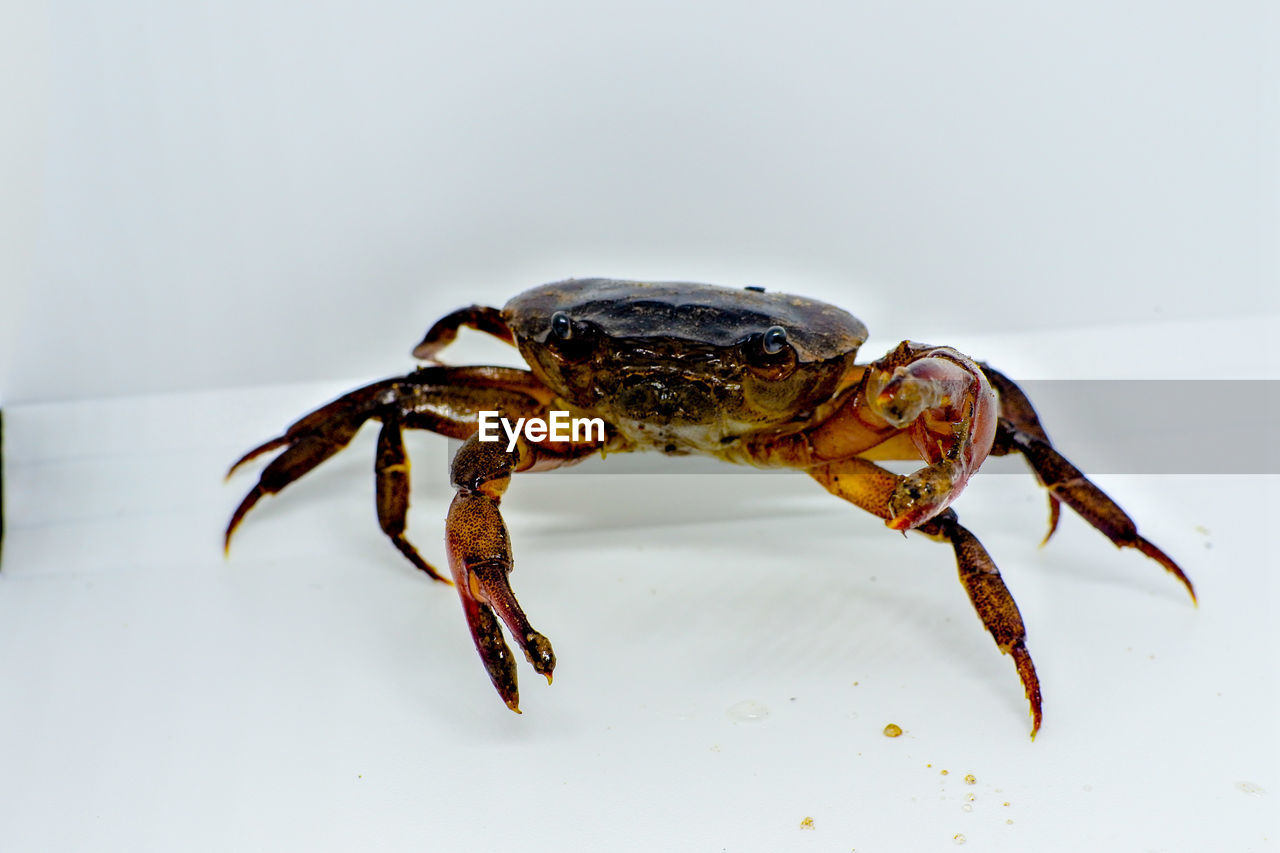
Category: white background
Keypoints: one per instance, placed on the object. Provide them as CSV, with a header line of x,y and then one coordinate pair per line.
x,y
242,192
204,197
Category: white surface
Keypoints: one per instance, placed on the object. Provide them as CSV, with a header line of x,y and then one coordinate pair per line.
x,y
23,94
314,692
246,193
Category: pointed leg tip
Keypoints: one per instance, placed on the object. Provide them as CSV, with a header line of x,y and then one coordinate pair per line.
x,y
514,705
548,675
1150,550
1055,514
411,553
237,465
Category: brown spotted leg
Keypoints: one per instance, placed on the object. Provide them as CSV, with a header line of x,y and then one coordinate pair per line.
x,y
444,400
445,330
1065,482
480,555
872,488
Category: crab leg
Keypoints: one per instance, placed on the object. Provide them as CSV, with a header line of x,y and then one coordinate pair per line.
x,y
993,602
1017,410
1019,430
309,441
874,489
444,400
391,482
1068,484
445,330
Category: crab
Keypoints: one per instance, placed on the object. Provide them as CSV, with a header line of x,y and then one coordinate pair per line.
x,y
748,376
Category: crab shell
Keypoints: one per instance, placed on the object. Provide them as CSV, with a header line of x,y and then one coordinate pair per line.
x,y
682,367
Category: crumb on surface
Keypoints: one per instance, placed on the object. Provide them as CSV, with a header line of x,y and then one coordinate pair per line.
x,y
807,823
970,779
892,730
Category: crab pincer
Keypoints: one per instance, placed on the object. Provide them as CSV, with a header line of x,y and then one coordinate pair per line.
x,y
479,550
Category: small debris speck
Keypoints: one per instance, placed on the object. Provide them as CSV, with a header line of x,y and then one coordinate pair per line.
x,y
747,711
1006,802
959,838
943,772
807,823
968,807
970,779
892,730
969,798
1250,788
1009,821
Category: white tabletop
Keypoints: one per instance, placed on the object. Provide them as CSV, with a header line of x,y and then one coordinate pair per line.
x,y
731,647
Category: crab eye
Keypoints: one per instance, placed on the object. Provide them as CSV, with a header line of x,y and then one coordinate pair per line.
x,y
773,340
561,326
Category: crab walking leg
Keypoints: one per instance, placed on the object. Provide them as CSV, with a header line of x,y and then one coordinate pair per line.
x,y
391,482
992,600
444,400
1019,431
308,442
1068,484
445,330
868,486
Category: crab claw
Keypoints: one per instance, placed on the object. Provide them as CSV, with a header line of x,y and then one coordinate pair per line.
x,y
920,496
902,394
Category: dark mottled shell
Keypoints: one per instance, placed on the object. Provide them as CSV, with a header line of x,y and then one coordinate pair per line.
x,y
698,313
